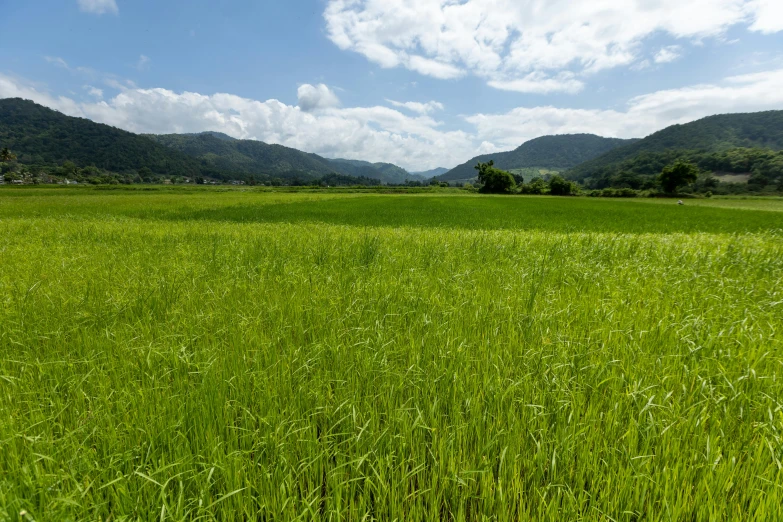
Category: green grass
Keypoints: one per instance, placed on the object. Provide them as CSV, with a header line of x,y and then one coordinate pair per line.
x,y
204,355
449,209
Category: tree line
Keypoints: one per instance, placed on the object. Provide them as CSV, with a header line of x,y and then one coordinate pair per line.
x,y
492,180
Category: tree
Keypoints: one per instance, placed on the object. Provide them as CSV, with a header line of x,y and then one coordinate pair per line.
x,y
536,186
677,175
494,181
6,155
68,169
560,187
146,174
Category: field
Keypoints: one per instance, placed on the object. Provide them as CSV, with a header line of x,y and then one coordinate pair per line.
x,y
245,355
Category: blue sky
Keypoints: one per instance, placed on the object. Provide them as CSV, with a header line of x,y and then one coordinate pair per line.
x,y
420,83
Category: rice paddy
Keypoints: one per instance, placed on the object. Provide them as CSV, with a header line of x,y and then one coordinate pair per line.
x,y
205,355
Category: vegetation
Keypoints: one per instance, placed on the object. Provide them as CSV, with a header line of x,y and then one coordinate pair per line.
x,y
739,143
43,137
494,181
678,175
226,355
223,157
547,152
47,141
385,172
54,148
6,155
560,187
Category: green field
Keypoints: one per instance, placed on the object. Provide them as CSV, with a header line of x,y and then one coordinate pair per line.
x,y
237,355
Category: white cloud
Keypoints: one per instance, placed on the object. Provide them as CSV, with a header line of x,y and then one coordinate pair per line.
x,y
368,133
435,68
417,107
314,97
384,134
143,63
539,83
526,45
668,54
56,60
768,15
99,6
94,92
642,116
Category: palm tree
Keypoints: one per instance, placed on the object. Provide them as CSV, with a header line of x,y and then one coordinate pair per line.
x,y
6,155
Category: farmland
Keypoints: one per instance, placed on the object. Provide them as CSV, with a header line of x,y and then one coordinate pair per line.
x,y
246,355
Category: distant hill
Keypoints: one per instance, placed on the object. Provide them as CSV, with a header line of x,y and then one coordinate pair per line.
x,y
695,140
44,137
41,136
250,157
548,152
386,172
242,158
427,174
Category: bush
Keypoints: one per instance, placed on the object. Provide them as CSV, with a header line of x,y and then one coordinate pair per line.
x,y
537,186
560,187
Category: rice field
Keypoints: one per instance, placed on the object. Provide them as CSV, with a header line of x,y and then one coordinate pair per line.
x,y
207,355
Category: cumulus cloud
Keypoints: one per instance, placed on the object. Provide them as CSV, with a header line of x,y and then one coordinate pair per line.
x,y
314,97
642,116
99,6
417,142
528,45
768,15
368,133
417,107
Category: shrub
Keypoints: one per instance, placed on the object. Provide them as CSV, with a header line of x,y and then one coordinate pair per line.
x,y
560,187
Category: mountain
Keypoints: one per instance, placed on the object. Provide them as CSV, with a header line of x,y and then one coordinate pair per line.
x,y
386,172
242,158
549,152
427,174
44,137
714,135
41,136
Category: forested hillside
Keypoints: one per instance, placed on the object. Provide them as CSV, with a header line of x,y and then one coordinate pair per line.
x,y
386,172
46,139
222,154
41,136
739,143
550,152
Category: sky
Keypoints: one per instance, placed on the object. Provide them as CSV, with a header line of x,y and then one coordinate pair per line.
x,y
418,83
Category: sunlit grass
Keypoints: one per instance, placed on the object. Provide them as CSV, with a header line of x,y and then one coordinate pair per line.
x,y
162,367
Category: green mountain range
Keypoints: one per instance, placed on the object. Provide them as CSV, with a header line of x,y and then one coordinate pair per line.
x,y
44,137
386,172
224,157
41,136
749,144
727,142
548,152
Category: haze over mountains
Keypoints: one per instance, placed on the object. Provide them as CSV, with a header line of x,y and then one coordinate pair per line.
x,y
734,143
